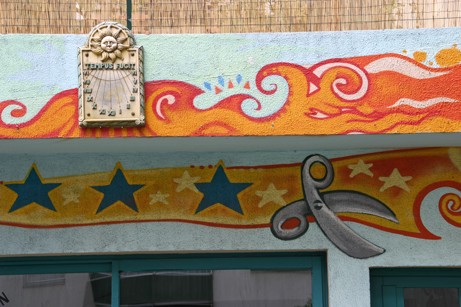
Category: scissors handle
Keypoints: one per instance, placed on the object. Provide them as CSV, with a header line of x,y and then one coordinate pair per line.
x,y
298,211
317,183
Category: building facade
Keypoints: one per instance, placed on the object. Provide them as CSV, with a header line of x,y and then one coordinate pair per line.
x,y
283,169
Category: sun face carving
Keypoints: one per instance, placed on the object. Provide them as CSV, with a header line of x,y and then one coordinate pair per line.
x,y
108,43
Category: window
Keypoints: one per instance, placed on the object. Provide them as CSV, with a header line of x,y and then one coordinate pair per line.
x,y
416,287
40,280
220,280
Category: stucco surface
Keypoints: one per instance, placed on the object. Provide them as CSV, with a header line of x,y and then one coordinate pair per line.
x,y
326,83
348,277
36,68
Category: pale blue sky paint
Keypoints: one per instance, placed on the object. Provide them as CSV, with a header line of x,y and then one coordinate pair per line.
x,y
35,67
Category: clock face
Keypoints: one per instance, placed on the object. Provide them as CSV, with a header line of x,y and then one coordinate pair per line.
x,y
111,89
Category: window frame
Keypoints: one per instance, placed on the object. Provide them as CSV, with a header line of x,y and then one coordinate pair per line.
x,y
115,264
387,285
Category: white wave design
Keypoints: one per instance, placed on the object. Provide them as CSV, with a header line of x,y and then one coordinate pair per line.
x,y
6,116
421,104
319,71
169,99
319,115
403,67
258,105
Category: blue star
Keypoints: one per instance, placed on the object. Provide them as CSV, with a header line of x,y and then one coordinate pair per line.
x,y
221,191
118,190
32,191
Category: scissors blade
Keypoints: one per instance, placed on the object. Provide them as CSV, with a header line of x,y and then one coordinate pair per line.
x,y
342,236
356,202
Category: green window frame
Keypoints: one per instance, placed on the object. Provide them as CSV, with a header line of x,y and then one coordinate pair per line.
x,y
387,285
116,264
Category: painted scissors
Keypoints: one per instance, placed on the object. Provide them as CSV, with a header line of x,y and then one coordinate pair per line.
x,y
323,207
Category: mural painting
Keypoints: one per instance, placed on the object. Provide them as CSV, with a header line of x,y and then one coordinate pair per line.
x,y
371,94
323,206
383,190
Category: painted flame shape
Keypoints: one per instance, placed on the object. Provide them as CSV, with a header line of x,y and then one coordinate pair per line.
x,y
376,94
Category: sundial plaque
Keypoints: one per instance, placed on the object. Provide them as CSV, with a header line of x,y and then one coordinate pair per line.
x,y
111,83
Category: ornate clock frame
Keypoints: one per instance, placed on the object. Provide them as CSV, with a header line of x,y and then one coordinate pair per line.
x,y
111,79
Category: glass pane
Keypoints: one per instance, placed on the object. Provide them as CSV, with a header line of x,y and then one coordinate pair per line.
x,y
431,297
219,288
70,290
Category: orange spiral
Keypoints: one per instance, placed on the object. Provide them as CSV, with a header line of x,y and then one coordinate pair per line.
x,y
450,208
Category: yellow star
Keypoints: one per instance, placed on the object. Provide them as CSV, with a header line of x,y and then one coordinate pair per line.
x,y
360,168
271,195
159,197
71,197
395,180
186,181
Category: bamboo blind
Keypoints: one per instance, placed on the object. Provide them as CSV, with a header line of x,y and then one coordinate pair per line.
x,y
226,16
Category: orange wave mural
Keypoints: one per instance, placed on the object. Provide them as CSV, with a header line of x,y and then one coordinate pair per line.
x,y
377,94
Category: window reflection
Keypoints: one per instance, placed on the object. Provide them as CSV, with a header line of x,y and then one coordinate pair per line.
x,y
219,288
431,297
70,290
41,280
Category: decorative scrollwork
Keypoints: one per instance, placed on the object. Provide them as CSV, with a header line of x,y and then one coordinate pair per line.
x,y
450,208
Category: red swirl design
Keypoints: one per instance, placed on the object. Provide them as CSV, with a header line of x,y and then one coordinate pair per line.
x,y
450,208
19,110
